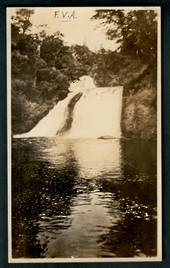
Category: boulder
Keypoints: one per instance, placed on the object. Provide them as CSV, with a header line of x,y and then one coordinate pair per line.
x,y
106,137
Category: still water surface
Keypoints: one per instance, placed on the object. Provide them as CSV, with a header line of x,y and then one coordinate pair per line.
x,y
83,198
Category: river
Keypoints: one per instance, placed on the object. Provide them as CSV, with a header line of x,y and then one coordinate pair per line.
x,y
83,198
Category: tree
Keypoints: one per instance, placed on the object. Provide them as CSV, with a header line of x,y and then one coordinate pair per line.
x,y
22,19
136,31
24,44
50,48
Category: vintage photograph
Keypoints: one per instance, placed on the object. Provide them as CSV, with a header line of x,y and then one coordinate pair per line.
x,y
84,134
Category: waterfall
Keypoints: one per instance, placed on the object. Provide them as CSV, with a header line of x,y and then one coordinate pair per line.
x,y
97,113
87,112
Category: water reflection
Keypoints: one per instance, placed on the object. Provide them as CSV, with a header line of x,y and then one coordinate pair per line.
x,y
40,192
95,157
134,234
83,198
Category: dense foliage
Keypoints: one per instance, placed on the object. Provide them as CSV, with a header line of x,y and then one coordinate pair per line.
x,y
43,66
136,31
42,69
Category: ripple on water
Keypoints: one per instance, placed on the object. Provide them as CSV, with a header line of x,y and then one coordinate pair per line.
x,y
82,198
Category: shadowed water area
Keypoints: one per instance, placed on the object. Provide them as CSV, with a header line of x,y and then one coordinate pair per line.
x,y
83,198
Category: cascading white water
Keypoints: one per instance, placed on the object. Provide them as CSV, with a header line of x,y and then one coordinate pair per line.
x,y
50,124
96,113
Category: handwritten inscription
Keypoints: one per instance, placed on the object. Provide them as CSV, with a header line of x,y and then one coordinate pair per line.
x,y
65,15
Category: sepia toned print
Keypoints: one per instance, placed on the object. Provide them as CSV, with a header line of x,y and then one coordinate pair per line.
x,y
84,134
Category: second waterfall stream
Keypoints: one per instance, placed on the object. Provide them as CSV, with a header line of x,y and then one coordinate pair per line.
x,y
87,112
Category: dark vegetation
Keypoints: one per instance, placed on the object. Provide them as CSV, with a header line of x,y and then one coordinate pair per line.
x,y
43,68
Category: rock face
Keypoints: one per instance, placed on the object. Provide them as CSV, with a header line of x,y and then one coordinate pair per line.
x,y
139,118
139,106
70,112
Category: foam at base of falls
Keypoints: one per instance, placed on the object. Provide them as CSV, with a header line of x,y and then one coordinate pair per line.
x,y
85,113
